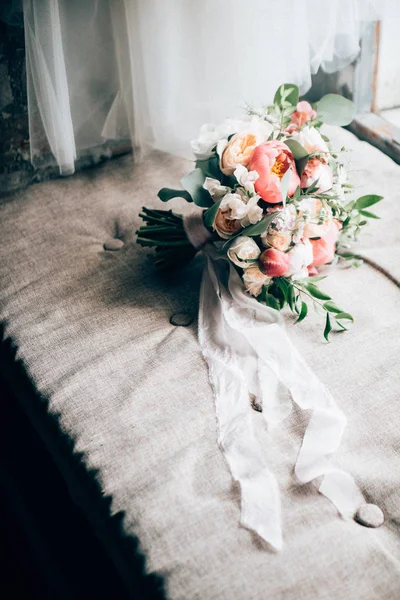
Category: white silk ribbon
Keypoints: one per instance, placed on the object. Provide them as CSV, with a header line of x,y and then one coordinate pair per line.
x,y
249,352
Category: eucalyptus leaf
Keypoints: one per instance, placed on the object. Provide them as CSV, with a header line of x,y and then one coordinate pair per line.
x,y
166,194
193,183
336,110
210,167
261,226
296,148
210,214
366,201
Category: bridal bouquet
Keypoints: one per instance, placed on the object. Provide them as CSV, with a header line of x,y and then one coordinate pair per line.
x,y
275,206
277,202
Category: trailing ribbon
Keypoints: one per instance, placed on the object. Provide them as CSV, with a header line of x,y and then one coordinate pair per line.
x,y
249,353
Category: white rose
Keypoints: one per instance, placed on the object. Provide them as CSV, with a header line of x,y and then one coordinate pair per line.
x,y
215,188
299,258
246,178
254,279
254,212
243,249
234,203
311,139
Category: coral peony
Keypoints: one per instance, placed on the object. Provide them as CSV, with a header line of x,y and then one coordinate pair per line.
x,y
271,160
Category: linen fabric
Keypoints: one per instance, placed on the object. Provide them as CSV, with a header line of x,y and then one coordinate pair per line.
x,y
131,393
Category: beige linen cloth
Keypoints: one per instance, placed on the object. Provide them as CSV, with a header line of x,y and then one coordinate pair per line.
x,y
131,391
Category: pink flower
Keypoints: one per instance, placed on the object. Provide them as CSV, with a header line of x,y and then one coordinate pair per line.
x,y
274,263
271,160
324,247
304,112
291,128
317,168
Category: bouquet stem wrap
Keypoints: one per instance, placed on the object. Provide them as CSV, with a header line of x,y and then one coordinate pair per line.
x,y
249,353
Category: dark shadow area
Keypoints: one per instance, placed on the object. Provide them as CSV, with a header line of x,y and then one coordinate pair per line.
x,y
58,533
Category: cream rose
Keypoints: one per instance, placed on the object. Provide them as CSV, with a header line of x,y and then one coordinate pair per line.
x,y
237,151
242,250
254,279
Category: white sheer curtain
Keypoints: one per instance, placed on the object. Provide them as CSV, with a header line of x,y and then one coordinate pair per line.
x,y
156,70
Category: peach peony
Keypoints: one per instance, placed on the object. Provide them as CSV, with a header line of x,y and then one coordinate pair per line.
x,y
271,160
304,112
238,151
274,263
324,247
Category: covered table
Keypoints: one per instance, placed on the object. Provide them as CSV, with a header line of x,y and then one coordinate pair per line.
x,y
121,396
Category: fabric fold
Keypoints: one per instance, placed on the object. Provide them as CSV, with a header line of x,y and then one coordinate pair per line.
x,y
249,352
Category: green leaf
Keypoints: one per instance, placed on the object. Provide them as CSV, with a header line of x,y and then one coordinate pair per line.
x,y
332,307
210,167
336,110
296,148
291,296
347,255
368,214
303,312
261,226
316,278
210,214
193,183
366,201
166,194
287,92
316,292
345,316
328,327
283,289
271,301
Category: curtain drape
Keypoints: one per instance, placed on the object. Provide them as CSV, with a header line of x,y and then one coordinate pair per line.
x,y
155,71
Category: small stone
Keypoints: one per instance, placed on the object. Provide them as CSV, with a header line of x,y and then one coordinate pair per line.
x,y
181,319
255,405
369,515
113,244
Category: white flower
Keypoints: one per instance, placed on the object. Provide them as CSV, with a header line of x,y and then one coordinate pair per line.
x,y
215,188
210,134
254,212
243,249
246,178
234,203
299,258
254,279
311,139
241,208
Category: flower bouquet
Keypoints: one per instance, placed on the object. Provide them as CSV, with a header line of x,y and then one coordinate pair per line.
x,y
277,201
274,206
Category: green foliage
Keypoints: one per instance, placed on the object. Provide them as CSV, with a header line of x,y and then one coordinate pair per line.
x,y
286,94
296,148
193,184
260,227
336,110
166,194
366,201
